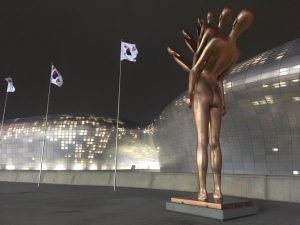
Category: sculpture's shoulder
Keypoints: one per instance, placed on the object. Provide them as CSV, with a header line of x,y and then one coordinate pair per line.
x,y
209,32
217,43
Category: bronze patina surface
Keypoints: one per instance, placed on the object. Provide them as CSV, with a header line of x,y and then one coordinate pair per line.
x,y
214,55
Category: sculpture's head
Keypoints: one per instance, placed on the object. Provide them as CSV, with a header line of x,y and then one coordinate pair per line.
x,y
209,17
224,18
241,23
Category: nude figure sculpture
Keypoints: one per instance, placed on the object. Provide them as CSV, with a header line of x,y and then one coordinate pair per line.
x,y
215,54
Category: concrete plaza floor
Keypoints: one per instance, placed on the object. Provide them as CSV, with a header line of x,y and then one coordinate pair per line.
x,y
24,204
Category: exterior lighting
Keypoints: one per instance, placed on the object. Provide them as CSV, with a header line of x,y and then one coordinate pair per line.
x,y
297,66
296,99
282,84
296,172
77,167
93,167
269,99
59,167
228,84
275,149
263,102
38,167
75,142
284,71
10,167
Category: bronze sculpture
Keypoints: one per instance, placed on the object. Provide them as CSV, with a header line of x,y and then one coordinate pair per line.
x,y
214,56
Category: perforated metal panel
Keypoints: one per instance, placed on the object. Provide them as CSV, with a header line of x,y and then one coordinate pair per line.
x,y
261,131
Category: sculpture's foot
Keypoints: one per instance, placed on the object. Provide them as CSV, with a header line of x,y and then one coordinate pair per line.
x,y
202,196
218,195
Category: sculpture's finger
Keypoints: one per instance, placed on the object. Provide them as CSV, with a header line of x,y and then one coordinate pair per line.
x,y
180,60
172,52
199,25
189,41
203,27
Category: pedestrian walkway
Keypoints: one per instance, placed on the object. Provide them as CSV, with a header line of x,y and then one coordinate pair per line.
x,y
24,204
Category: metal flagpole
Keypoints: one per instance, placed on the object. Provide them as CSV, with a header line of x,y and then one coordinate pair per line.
x,y
3,115
117,131
45,131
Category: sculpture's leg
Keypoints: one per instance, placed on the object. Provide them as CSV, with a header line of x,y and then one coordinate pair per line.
x,y
201,114
215,149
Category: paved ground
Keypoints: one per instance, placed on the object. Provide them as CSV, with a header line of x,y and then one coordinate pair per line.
x,y
24,204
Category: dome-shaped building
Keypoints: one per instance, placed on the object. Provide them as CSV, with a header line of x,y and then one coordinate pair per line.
x,y
260,133
261,130
74,142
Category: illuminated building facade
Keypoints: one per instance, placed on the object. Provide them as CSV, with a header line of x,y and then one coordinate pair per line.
x,y
75,143
261,130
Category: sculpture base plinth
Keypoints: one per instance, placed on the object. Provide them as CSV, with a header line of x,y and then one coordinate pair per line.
x,y
229,208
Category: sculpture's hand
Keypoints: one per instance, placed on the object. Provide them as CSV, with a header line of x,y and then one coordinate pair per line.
x,y
189,41
180,59
200,30
198,26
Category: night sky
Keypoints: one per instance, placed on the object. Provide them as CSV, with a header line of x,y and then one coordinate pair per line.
x,y
82,38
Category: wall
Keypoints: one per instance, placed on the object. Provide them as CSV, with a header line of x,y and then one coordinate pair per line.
x,y
278,188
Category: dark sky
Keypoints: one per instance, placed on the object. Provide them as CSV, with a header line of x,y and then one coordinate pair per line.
x,y
82,38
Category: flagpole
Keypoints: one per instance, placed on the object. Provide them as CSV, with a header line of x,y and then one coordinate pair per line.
x,y
117,131
45,130
3,115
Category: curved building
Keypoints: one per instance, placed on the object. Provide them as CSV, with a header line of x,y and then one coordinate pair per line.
x,y
75,142
261,130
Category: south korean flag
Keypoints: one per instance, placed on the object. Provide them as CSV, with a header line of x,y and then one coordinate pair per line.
x,y
10,85
128,52
56,78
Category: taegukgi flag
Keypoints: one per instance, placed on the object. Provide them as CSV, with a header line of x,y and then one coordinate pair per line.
x,y
10,86
56,78
128,51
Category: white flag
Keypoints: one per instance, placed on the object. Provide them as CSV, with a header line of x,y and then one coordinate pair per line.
x,y
128,51
10,86
56,78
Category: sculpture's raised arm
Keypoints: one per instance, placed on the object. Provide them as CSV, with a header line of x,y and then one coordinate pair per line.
x,y
180,59
205,32
199,26
189,41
